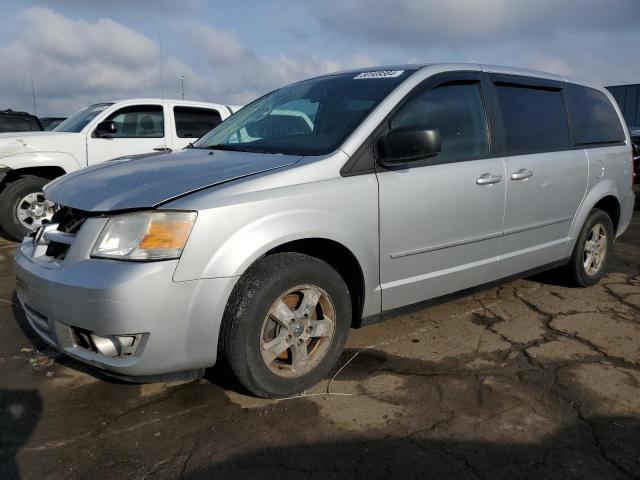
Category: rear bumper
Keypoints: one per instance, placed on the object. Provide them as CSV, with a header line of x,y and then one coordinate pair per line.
x,y
176,323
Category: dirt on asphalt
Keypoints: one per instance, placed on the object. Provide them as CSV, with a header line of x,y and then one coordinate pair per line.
x,y
530,379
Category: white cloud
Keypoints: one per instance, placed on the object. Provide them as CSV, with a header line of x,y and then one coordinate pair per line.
x,y
219,45
592,39
241,75
77,62
76,41
74,62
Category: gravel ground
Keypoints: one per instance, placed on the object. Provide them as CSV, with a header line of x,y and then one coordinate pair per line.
x,y
530,379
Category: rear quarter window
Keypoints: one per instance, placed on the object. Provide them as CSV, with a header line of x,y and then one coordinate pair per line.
x,y
593,118
192,122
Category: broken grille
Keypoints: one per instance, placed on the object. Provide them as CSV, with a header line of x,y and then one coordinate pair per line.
x,y
69,221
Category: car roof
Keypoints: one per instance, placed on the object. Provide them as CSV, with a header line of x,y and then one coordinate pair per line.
x,y
176,101
483,67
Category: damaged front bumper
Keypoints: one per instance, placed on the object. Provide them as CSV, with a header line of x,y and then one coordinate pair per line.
x,y
129,318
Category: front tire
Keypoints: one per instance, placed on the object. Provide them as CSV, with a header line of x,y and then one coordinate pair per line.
x,y
285,325
592,251
23,207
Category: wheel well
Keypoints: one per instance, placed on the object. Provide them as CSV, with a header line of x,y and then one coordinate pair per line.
x,y
340,258
44,172
610,205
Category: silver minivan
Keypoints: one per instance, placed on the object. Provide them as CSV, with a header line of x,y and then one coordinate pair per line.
x,y
325,205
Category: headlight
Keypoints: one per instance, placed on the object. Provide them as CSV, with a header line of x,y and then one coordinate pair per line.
x,y
151,235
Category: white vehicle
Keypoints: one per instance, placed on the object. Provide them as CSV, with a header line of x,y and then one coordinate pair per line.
x,y
99,132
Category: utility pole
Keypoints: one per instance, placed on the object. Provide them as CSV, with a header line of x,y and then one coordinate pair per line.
x,y
182,79
33,93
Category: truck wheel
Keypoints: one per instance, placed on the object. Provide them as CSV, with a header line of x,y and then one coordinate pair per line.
x,y
285,325
23,207
592,251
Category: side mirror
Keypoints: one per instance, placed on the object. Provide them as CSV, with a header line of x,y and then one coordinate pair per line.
x,y
105,129
401,146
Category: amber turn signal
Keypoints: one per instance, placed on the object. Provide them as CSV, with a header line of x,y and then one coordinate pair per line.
x,y
166,234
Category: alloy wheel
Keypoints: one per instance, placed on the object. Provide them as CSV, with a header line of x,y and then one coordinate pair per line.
x,y
595,249
297,331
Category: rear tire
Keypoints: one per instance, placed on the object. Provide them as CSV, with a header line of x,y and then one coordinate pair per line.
x,y
275,350
11,198
591,254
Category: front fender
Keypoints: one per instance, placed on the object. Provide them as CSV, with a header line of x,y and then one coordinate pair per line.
x,y
254,240
62,160
225,241
603,189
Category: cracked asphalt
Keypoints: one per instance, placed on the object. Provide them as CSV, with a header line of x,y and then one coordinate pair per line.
x,y
529,379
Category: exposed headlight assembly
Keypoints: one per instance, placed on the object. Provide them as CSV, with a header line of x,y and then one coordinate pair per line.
x,y
149,235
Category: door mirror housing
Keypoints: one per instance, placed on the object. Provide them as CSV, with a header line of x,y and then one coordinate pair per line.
x,y
105,129
402,146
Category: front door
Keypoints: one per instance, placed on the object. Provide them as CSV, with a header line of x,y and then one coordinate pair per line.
x,y
140,129
441,218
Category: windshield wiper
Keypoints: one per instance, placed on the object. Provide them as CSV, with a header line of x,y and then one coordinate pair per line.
x,y
221,146
232,148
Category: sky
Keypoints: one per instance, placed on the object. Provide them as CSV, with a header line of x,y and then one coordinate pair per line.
x,y
80,52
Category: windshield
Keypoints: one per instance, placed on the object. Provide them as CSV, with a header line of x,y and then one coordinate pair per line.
x,y
312,117
77,121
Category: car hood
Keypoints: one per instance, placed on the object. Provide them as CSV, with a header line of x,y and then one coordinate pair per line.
x,y
144,182
25,142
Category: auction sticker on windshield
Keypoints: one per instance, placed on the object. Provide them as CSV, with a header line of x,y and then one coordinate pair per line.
x,y
379,74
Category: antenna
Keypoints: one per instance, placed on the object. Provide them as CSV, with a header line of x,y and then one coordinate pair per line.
x,y
161,71
33,93
164,137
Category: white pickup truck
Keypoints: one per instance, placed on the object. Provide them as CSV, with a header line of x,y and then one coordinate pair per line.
x,y
99,132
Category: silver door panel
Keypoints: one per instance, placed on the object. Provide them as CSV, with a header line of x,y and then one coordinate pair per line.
x,y
540,208
439,229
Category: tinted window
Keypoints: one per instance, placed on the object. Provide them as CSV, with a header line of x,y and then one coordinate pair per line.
x,y
593,118
18,124
139,121
534,119
456,110
312,117
195,122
